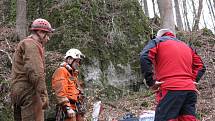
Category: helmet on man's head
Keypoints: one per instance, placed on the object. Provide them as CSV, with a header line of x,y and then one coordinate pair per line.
x,y
74,53
41,24
161,32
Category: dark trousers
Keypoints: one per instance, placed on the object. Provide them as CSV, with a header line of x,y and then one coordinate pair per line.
x,y
176,104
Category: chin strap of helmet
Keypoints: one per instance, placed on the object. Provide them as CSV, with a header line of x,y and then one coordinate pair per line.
x,y
75,67
41,38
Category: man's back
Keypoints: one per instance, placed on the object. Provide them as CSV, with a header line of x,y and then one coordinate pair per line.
x,y
171,68
173,64
28,60
169,60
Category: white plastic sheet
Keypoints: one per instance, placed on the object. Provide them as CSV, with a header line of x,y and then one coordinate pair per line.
x,y
147,115
96,110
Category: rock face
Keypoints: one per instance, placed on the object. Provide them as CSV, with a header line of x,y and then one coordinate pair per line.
x,y
110,33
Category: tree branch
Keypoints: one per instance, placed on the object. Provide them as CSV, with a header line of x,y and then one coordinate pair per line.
x,y
7,43
7,55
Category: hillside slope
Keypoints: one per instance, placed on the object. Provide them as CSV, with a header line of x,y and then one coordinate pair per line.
x,y
111,34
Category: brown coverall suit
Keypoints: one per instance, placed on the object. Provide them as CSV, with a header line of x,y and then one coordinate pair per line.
x,y
28,88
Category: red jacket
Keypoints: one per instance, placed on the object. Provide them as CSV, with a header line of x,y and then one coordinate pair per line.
x,y
172,61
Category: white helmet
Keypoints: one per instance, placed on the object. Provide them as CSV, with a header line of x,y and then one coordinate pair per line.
x,y
161,32
74,53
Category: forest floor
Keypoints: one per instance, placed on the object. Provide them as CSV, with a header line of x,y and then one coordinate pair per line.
x,y
138,102
134,102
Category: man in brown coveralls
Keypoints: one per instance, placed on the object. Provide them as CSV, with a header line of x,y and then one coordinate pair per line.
x,y
28,88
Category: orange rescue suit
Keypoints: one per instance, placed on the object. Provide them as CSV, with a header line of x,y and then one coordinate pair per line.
x,y
65,86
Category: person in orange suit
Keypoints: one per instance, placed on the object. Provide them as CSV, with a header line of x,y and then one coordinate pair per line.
x,y
67,88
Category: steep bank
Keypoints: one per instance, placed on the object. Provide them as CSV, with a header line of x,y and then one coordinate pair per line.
x,y
111,34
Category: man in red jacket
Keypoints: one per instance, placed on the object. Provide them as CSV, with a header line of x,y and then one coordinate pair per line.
x,y
174,68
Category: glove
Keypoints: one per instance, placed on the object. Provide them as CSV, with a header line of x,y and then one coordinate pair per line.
x,y
44,98
81,97
70,112
45,102
156,86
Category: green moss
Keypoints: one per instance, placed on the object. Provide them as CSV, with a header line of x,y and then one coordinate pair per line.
x,y
207,32
12,17
145,104
6,113
111,31
110,93
99,33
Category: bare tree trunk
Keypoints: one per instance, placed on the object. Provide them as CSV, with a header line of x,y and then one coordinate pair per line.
x,y
194,12
197,18
204,20
210,12
194,8
166,14
21,19
212,8
214,3
185,16
146,10
153,3
178,15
